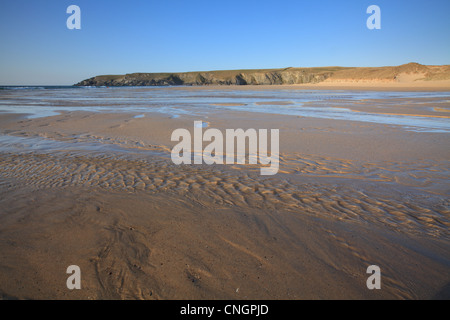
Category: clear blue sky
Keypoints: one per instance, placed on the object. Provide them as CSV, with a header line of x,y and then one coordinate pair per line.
x,y
193,35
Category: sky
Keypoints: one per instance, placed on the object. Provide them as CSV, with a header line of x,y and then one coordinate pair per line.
x,y
118,37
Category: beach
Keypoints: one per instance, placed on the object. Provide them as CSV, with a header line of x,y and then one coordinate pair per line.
x,y
86,179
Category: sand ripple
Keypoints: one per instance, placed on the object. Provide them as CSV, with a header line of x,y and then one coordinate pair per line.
x,y
404,209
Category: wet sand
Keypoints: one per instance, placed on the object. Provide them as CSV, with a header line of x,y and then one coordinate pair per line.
x,y
343,84
348,195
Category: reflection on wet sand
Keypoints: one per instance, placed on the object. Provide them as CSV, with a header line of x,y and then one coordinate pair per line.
x,y
96,187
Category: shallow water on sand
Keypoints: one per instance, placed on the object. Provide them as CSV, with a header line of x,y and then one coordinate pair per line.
x,y
48,101
87,160
407,197
141,227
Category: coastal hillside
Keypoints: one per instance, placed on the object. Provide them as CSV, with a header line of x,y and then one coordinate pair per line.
x,y
406,72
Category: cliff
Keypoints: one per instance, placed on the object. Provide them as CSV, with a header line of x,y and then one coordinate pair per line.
x,y
271,76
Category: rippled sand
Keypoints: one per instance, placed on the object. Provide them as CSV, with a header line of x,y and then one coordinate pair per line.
x,y
100,191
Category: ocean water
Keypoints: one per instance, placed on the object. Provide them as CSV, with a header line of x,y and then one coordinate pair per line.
x,y
48,101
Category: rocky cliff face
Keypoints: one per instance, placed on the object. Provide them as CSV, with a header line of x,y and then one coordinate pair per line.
x,y
269,77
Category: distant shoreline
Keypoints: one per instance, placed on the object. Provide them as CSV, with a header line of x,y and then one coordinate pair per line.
x,y
426,86
407,76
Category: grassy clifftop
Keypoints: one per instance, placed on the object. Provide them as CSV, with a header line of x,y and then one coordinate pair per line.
x,y
271,76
